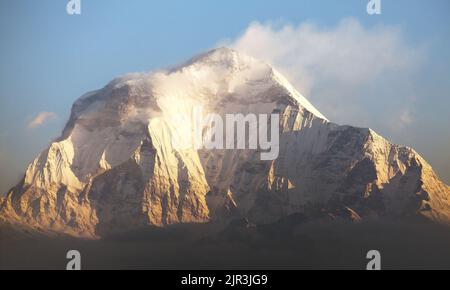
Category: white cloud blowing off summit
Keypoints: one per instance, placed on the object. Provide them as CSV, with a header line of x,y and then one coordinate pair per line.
x,y
352,74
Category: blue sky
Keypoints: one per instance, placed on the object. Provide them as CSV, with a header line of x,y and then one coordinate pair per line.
x,y
48,59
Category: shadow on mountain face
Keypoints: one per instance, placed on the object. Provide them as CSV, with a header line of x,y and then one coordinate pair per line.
x,y
239,245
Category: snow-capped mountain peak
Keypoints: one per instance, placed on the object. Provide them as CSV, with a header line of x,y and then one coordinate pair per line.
x,y
115,168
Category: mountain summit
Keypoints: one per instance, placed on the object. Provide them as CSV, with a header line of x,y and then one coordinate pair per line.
x,y
114,168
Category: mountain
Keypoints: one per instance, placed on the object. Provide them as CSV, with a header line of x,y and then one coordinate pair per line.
x,y
115,167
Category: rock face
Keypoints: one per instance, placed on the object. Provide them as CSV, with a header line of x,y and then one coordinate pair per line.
x,y
115,168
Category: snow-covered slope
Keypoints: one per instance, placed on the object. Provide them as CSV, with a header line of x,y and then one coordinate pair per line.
x,y
115,168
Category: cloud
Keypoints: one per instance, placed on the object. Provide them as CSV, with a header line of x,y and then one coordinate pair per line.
x,y
406,117
401,120
40,119
352,74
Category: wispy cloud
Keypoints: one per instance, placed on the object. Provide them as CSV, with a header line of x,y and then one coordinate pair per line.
x,y
40,119
401,120
352,74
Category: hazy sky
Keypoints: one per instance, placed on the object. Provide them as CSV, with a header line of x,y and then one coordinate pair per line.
x,y
390,72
